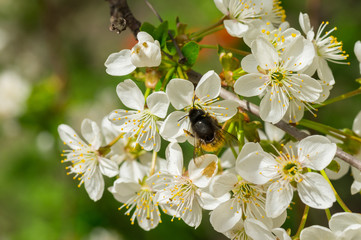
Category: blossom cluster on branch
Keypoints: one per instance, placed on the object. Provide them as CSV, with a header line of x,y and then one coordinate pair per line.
x,y
244,176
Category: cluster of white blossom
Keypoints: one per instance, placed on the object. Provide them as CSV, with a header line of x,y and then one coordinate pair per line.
x,y
249,188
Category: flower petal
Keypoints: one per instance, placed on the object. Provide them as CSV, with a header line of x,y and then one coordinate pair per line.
x,y
304,21
250,85
222,184
222,6
315,191
95,185
274,105
278,197
202,169
193,218
356,126
222,110
180,93
119,64
209,202
257,230
265,54
235,28
273,132
158,104
317,233
305,88
130,95
209,86
174,125
357,50
299,55
324,71
281,234
144,37
341,221
70,137
249,64
123,189
225,216
91,133
108,167
132,170
316,152
255,165
174,156
295,111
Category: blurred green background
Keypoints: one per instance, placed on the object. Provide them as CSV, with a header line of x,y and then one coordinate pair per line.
x,y
52,55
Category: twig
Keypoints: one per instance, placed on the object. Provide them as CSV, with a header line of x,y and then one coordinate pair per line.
x,y
182,58
293,131
121,17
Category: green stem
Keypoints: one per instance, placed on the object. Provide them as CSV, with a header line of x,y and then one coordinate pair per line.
x,y
339,98
147,92
303,221
219,28
181,73
328,214
154,161
219,23
240,52
327,130
338,198
167,77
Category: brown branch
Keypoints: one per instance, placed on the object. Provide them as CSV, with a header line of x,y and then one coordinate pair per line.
x,y
121,17
293,131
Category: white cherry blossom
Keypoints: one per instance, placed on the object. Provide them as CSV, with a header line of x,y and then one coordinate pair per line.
x,y
138,196
279,75
183,195
182,95
279,37
287,172
89,160
343,226
143,122
242,13
327,49
146,53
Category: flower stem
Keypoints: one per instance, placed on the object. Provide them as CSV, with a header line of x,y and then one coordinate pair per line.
x,y
181,73
327,130
154,161
115,140
219,23
339,200
201,35
328,214
339,98
167,77
147,92
303,222
240,52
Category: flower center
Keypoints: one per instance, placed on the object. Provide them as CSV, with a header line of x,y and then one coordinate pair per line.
x,y
145,208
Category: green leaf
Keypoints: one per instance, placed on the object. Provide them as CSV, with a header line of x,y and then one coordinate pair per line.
x,y
148,28
191,50
334,166
161,33
170,48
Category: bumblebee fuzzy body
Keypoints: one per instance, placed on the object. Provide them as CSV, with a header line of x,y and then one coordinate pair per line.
x,y
206,130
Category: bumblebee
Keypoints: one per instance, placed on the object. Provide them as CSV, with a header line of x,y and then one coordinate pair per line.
x,y
207,132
